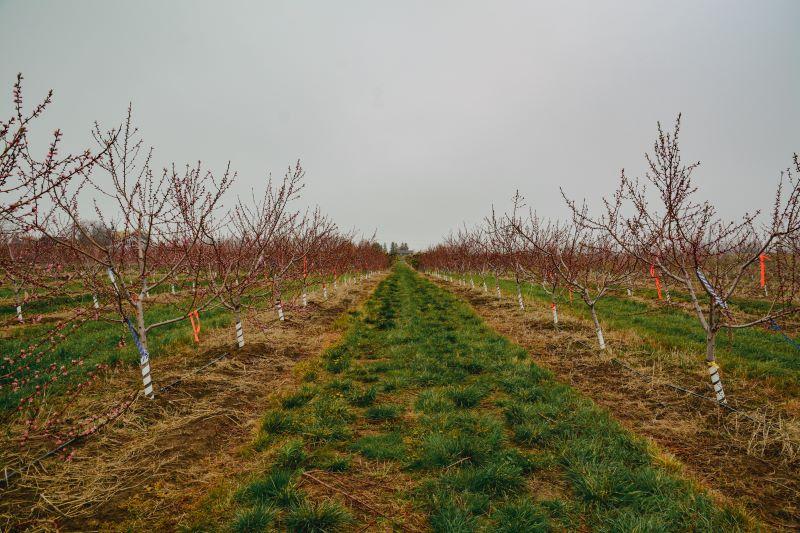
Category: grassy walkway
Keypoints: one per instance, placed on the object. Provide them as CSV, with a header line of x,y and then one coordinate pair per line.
x,y
483,439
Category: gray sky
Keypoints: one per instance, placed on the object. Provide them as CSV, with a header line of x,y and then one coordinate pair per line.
x,y
413,117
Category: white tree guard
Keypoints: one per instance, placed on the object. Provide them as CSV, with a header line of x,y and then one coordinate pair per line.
x,y
239,333
713,371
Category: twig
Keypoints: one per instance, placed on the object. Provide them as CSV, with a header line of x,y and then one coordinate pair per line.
x,y
457,462
340,491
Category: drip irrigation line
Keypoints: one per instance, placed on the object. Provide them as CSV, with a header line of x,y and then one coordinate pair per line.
x,y
775,327
193,372
684,390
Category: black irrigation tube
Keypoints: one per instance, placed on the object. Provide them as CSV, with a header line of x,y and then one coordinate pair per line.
x,y
775,327
193,372
684,390
8,475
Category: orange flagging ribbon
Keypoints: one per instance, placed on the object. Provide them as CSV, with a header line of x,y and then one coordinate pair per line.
x,y
194,317
658,281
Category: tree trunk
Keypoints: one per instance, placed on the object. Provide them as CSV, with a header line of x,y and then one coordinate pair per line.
x,y
555,313
519,297
713,368
279,307
18,304
600,339
144,353
711,357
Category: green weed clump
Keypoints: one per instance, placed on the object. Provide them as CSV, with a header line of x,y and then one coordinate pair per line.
x,y
299,398
381,447
317,517
467,396
277,422
382,412
258,518
276,488
363,398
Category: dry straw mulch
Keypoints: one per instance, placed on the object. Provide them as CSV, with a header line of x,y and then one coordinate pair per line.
x,y
146,469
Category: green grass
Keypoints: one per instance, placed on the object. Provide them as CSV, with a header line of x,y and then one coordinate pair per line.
x,y
476,427
754,352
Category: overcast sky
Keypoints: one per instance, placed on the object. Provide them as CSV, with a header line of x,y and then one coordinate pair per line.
x,y
414,117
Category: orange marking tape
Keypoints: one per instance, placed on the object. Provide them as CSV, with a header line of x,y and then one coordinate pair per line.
x,y
194,317
658,281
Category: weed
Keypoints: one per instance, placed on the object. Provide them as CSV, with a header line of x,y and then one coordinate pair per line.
x,y
467,396
523,515
259,518
291,455
277,422
320,517
381,447
363,398
379,413
298,399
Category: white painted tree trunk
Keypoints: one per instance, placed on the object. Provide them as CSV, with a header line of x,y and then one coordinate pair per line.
x,y
713,368
172,288
95,302
19,314
324,291
239,334
279,307
555,313
305,299
144,353
485,288
600,339
629,292
713,371
519,298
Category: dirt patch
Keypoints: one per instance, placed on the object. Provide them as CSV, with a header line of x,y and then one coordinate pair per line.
x,y
145,471
749,459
